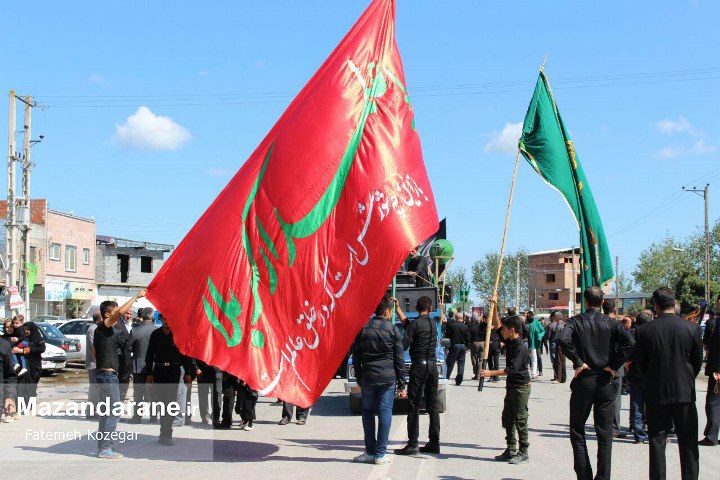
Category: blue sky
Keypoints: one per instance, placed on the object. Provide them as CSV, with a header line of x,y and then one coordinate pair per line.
x,y
636,83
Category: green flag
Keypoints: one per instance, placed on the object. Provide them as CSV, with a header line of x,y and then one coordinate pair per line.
x,y
546,145
31,275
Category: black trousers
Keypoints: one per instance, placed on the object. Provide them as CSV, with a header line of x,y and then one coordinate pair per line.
x,y
559,367
457,354
287,411
210,383
165,390
684,416
596,391
228,382
494,357
423,379
245,403
141,393
712,410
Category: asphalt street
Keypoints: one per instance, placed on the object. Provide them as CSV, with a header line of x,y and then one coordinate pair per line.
x,y
471,436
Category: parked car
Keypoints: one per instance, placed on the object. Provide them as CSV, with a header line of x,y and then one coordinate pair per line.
x,y
76,329
53,336
53,358
56,320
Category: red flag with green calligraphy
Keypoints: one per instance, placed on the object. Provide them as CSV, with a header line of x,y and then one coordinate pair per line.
x,y
280,273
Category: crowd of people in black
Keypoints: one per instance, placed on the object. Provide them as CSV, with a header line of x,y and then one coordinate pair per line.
x,y
654,356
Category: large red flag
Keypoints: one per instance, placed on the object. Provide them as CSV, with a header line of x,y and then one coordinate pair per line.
x,y
288,263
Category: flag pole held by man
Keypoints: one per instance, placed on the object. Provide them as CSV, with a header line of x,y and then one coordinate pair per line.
x,y
283,269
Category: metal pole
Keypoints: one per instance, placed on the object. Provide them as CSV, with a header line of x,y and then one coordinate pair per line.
x,y
517,284
26,164
571,312
617,286
707,246
10,219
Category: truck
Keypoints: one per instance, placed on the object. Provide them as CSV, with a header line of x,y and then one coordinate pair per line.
x,y
353,389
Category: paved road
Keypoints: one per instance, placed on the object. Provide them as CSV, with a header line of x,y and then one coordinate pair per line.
x,y
471,436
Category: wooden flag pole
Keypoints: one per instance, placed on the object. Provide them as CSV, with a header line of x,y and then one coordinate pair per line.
x,y
492,315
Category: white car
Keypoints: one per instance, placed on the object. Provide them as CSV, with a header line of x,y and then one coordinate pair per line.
x,y
77,328
53,358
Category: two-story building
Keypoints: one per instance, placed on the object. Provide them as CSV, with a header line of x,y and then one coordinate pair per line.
x,y
126,266
62,249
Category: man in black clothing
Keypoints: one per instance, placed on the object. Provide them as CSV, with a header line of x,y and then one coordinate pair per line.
x,y
459,336
106,352
30,332
711,340
8,379
380,369
301,414
138,345
163,361
123,333
597,346
421,338
495,346
638,396
209,380
419,265
669,353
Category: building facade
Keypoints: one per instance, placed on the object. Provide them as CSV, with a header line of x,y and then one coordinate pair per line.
x,y
125,266
62,250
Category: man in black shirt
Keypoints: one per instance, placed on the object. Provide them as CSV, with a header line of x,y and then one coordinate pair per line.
x,y
517,393
637,389
597,346
669,353
163,361
421,338
106,351
711,340
459,336
379,368
420,265
138,345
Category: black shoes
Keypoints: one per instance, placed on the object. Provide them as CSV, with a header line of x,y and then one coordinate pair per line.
x,y
284,421
506,455
408,450
519,459
706,442
430,448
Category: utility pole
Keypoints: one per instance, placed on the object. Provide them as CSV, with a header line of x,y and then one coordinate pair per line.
x,y
571,311
26,221
705,193
517,284
617,286
10,246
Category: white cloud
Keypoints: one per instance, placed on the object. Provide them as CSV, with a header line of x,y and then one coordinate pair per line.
x,y
97,79
698,148
505,141
144,130
218,172
681,125
204,73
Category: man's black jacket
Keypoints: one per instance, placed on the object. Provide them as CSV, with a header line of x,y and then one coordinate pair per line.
x,y
378,355
8,377
596,340
669,353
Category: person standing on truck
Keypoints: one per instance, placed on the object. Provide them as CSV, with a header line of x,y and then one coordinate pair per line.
x,y
379,368
421,338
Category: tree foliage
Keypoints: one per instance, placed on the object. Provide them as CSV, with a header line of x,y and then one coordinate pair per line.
x,y
680,264
484,272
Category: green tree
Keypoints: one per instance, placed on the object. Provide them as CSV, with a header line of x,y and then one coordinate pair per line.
x,y
457,277
624,283
484,272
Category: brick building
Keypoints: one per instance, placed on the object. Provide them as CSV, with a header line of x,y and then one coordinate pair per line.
x,y
62,248
126,266
553,275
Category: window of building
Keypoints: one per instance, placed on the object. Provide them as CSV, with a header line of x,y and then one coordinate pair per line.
x,y
146,264
568,259
578,298
33,255
54,251
70,258
553,296
579,282
86,256
550,277
123,267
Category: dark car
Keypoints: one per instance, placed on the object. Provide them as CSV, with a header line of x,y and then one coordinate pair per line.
x,y
53,336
